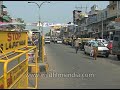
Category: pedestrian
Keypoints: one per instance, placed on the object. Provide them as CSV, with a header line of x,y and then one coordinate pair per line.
x,y
95,48
92,52
76,44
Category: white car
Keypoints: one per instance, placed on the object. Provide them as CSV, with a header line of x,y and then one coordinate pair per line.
x,y
47,39
103,41
59,40
102,49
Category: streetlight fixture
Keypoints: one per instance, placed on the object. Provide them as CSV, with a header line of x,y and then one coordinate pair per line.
x,y
40,43
39,6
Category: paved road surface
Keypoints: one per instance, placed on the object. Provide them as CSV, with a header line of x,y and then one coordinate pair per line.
x,y
100,73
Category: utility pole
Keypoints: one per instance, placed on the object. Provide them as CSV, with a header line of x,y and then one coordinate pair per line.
x,y
102,23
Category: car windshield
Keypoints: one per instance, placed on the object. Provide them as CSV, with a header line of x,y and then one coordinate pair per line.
x,y
59,39
99,44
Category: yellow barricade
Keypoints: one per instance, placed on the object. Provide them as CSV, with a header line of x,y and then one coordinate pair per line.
x,y
14,45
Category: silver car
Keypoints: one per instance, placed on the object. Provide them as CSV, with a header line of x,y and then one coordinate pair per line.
x,y
102,49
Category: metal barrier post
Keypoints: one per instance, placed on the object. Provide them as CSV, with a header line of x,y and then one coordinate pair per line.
x,y
42,49
27,67
5,75
36,64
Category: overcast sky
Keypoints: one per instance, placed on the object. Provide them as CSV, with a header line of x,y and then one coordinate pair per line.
x,y
54,12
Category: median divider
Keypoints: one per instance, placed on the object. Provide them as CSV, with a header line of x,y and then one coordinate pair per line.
x,y
43,67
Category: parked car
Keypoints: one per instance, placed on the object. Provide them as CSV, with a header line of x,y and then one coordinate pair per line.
x,y
102,49
110,46
59,40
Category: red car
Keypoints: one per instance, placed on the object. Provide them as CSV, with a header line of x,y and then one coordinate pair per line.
x,y
110,45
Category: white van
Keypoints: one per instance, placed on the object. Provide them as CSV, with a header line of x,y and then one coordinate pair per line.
x,y
116,45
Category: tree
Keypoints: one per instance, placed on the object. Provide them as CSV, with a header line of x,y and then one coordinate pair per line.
x,y
20,20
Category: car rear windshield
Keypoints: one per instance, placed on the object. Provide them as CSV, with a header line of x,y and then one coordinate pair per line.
x,y
100,44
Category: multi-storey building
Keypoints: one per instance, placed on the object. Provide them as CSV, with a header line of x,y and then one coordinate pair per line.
x,y
113,13
92,21
98,22
83,25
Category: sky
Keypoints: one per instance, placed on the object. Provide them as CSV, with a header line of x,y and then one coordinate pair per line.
x,y
53,12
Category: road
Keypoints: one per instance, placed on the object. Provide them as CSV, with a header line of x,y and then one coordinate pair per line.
x,y
103,73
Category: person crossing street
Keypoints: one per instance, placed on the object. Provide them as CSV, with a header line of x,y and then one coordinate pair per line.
x,y
76,44
95,49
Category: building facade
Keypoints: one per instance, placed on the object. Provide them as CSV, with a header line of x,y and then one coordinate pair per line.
x,y
97,22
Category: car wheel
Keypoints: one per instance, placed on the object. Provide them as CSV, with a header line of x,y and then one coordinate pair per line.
x,y
107,55
85,52
118,56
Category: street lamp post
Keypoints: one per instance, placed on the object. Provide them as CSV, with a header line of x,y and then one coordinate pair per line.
x,y
102,24
40,43
102,28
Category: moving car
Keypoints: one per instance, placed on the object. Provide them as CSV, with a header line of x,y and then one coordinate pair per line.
x,y
47,39
59,40
102,49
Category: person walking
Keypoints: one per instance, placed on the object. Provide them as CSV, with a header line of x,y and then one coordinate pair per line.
x,y
76,44
95,49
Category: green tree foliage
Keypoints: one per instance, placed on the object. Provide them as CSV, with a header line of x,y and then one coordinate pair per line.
x,y
20,20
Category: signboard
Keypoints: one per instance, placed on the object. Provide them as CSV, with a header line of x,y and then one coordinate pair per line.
x,y
14,74
11,40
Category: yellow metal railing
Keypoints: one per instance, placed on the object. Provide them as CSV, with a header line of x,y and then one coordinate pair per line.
x,y
17,76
